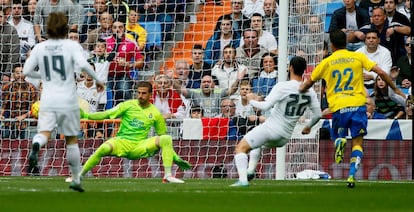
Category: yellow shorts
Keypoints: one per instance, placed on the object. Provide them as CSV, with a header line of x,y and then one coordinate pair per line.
x,y
133,149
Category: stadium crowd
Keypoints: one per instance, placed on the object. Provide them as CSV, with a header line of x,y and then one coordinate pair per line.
x,y
239,58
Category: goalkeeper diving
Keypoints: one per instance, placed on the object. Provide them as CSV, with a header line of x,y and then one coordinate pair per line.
x,y
131,141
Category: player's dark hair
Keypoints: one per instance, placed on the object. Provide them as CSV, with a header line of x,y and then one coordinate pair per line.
x,y
145,84
57,25
338,39
298,64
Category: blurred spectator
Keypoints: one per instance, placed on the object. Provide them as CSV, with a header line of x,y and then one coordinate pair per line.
x,y
9,47
404,65
102,32
388,103
101,60
31,9
24,29
181,72
268,75
199,68
369,5
6,5
223,35
207,96
405,9
391,35
409,107
371,110
253,6
196,112
349,19
227,72
134,30
265,38
400,27
246,117
166,99
74,35
250,53
376,53
312,43
45,7
91,18
127,57
80,12
86,90
298,19
17,98
227,109
155,10
240,21
119,10
271,18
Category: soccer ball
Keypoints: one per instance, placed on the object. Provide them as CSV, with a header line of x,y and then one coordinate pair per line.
x,y
34,110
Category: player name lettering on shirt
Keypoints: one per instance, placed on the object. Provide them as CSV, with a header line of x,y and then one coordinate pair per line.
x,y
342,60
54,48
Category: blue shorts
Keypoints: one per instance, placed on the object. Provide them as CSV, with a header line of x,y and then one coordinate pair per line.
x,y
353,119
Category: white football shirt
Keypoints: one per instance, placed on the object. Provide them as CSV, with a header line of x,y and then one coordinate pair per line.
x,y
57,59
288,105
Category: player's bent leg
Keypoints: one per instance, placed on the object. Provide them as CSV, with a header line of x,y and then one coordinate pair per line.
x,y
39,140
104,150
167,153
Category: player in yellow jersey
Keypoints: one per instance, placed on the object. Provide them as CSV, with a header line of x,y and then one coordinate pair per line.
x,y
343,73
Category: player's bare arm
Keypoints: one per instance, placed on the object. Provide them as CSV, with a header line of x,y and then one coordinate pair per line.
x,y
306,85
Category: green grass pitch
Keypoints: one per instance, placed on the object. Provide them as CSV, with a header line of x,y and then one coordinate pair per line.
x,y
144,195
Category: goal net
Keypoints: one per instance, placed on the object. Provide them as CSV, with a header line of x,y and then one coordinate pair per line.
x,y
173,28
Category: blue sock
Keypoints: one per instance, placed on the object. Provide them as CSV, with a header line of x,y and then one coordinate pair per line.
x,y
356,157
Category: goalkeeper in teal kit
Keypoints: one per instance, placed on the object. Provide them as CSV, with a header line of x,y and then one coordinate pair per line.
x,y
131,140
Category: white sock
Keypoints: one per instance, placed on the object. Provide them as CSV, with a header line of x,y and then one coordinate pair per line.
x,y
73,158
40,139
241,163
254,157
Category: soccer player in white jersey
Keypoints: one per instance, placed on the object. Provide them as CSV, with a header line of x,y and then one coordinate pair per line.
x,y
56,59
288,105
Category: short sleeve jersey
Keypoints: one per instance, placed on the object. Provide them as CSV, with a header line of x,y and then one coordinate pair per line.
x,y
343,73
57,60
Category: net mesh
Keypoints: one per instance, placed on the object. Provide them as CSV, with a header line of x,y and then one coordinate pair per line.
x,y
173,28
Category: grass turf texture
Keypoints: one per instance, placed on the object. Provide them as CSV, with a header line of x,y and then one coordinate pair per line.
x,y
129,194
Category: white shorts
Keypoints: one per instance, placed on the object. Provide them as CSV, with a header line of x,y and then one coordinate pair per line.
x,y
263,136
68,122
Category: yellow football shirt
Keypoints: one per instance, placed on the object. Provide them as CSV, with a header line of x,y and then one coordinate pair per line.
x,y
343,73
